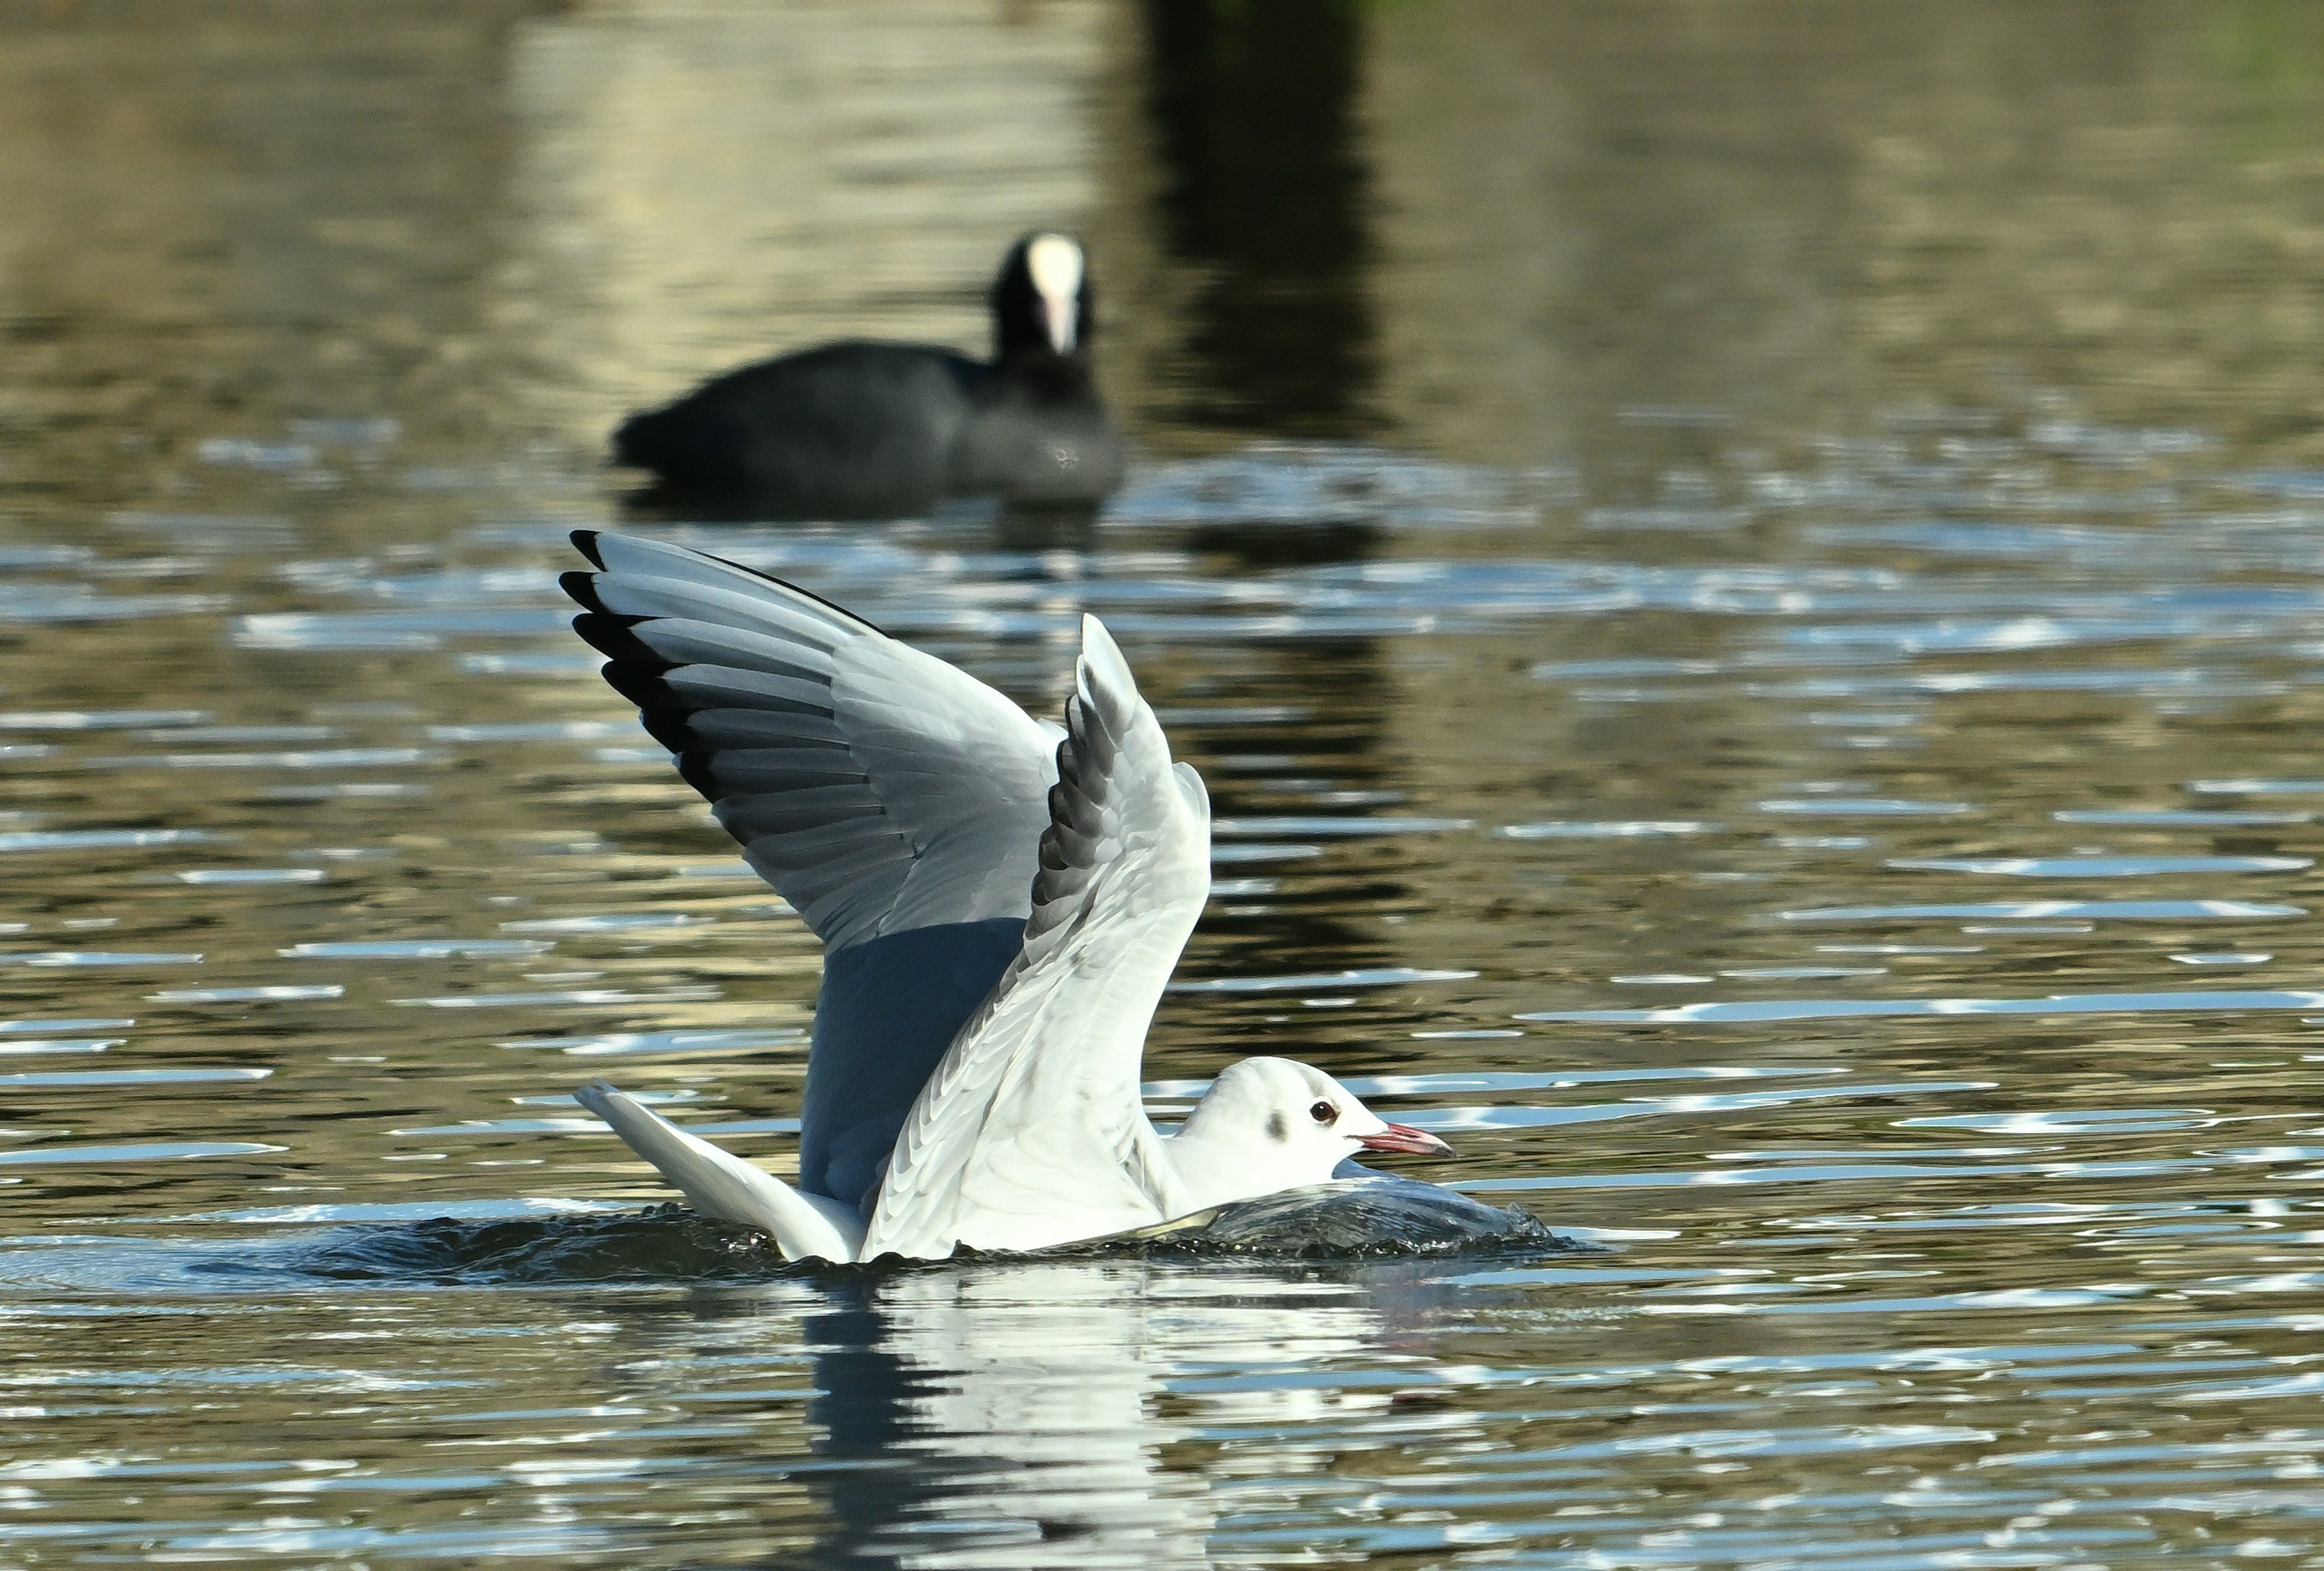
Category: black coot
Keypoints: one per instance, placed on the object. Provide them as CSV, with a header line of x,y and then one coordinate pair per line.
x,y
860,428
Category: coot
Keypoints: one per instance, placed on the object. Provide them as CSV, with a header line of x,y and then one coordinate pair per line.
x,y
863,428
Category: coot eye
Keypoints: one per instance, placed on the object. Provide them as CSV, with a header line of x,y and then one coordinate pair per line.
x,y
1324,1113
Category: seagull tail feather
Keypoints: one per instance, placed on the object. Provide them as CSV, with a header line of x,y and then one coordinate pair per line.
x,y
719,1184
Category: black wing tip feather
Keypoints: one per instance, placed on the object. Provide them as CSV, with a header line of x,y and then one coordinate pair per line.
x,y
669,727
665,719
581,586
635,671
669,723
643,687
610,635
695,768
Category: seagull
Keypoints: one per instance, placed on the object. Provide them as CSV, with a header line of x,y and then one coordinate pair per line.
x,y
1002,901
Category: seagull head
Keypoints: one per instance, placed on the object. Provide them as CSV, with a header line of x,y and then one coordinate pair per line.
x,y
1269,1125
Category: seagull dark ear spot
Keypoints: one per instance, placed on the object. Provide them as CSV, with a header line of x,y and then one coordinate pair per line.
x,y
1275,1129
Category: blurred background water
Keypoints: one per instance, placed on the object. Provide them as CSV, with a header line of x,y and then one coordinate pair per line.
x,y
1746,578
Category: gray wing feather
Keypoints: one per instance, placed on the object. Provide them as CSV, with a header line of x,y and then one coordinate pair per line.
x,y
896,802
876,787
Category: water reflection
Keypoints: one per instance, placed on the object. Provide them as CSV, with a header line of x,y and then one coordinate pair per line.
x,y
1011,1417
1264,197
212,224
1053,1414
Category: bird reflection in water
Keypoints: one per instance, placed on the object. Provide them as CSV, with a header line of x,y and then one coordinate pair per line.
x,y
1018,1414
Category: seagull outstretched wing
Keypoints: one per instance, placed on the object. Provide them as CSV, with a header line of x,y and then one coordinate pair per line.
x,y
1031,1132
895,802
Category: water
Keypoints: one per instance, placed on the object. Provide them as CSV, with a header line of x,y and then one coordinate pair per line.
x,y
1746,581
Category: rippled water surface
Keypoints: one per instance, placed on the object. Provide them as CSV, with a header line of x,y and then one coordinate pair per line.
x,y
1748,583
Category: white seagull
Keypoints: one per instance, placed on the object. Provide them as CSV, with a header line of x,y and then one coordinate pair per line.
x,y
1000,901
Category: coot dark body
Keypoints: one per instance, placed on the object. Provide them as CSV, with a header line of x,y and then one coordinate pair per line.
x,y
860,429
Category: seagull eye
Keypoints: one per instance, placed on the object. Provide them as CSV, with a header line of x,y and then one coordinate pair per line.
x,y
1324,1113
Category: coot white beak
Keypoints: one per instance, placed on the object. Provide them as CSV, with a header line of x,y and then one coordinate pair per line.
x,y
1058,315
1055,267
1403,1137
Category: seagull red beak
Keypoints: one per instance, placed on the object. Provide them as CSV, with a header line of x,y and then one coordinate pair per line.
x,y
1403,1137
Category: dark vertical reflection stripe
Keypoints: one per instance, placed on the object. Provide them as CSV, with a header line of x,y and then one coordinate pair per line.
x,y
1265,192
